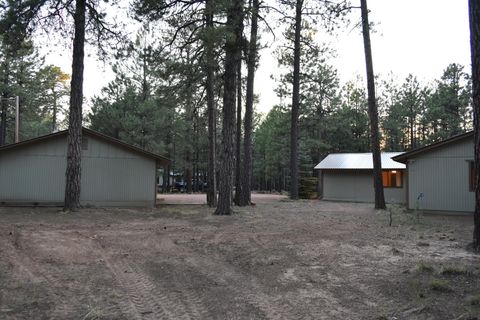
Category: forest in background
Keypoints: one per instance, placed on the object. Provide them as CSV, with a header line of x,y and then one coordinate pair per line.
x,y
157,101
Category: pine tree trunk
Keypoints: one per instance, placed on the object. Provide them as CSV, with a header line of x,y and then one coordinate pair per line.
x,y
372,112
166,178
188,171
54,111
238,142
295,104
4,103
3,120
245,198
74,152
210,93
232,53
474,10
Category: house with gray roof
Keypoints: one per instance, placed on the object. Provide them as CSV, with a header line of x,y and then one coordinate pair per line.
x,y
349,177
114,173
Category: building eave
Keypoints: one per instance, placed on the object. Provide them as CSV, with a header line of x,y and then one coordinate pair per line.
x,y
403,158
160,160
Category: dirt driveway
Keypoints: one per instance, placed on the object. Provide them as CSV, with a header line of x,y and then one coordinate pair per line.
x,y
279,260
200,198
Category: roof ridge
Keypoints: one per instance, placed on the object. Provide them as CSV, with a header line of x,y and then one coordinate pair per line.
x,y
88,131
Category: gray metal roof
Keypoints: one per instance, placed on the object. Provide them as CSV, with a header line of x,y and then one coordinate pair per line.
x,y
358,161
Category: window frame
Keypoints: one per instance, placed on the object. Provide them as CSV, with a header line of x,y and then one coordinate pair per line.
x,y
398,173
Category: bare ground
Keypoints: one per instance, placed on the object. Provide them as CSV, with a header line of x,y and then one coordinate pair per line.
x,y
200,198
277,260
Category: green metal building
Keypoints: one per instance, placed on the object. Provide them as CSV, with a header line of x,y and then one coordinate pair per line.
x,y
114,173
441,175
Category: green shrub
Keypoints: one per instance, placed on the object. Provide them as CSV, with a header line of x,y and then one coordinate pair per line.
x,y
307,188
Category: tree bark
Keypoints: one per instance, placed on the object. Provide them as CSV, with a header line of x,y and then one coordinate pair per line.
x,y
295,104
232,53
74,152
372,111
4,104
188,171
474,13
210,93
54,110
238,142
3,120
245,198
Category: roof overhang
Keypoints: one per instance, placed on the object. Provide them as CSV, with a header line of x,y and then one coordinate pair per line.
x,y
358,161
160,160
403,158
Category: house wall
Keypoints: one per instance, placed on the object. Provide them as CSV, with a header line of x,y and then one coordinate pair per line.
x,y
116,177
442,175
35,173
111,176
357,186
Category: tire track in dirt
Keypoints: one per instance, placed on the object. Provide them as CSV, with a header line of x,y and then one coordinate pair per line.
x,y
136,303
147,299
38,274
239,284
187,303
242,285
192,300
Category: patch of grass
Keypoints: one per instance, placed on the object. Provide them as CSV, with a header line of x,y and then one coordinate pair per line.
x,y
454,271
94,313
474,300
439,285
416,288
423,266
184,210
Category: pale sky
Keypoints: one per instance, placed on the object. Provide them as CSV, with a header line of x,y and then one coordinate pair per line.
x,y
412,36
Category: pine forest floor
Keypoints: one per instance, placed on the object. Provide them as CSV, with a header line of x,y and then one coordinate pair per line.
x,y
276,260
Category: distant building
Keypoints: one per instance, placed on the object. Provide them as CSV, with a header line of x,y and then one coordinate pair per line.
x,y
114,173
349,177
441,175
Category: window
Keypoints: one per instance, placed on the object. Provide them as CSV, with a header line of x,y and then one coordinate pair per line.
x,y
392,179
471,176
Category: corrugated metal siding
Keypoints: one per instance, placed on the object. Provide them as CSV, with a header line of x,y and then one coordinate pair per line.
x,y
34,174
356,186
115,176
442,176
111,176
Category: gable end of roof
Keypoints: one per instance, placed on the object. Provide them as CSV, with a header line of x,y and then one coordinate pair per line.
x,y
88,132
405,156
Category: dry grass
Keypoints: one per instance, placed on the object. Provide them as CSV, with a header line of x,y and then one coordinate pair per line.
x,y
423,266
440,285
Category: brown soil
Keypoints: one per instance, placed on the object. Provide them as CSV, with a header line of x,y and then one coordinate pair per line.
x,y
279,260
